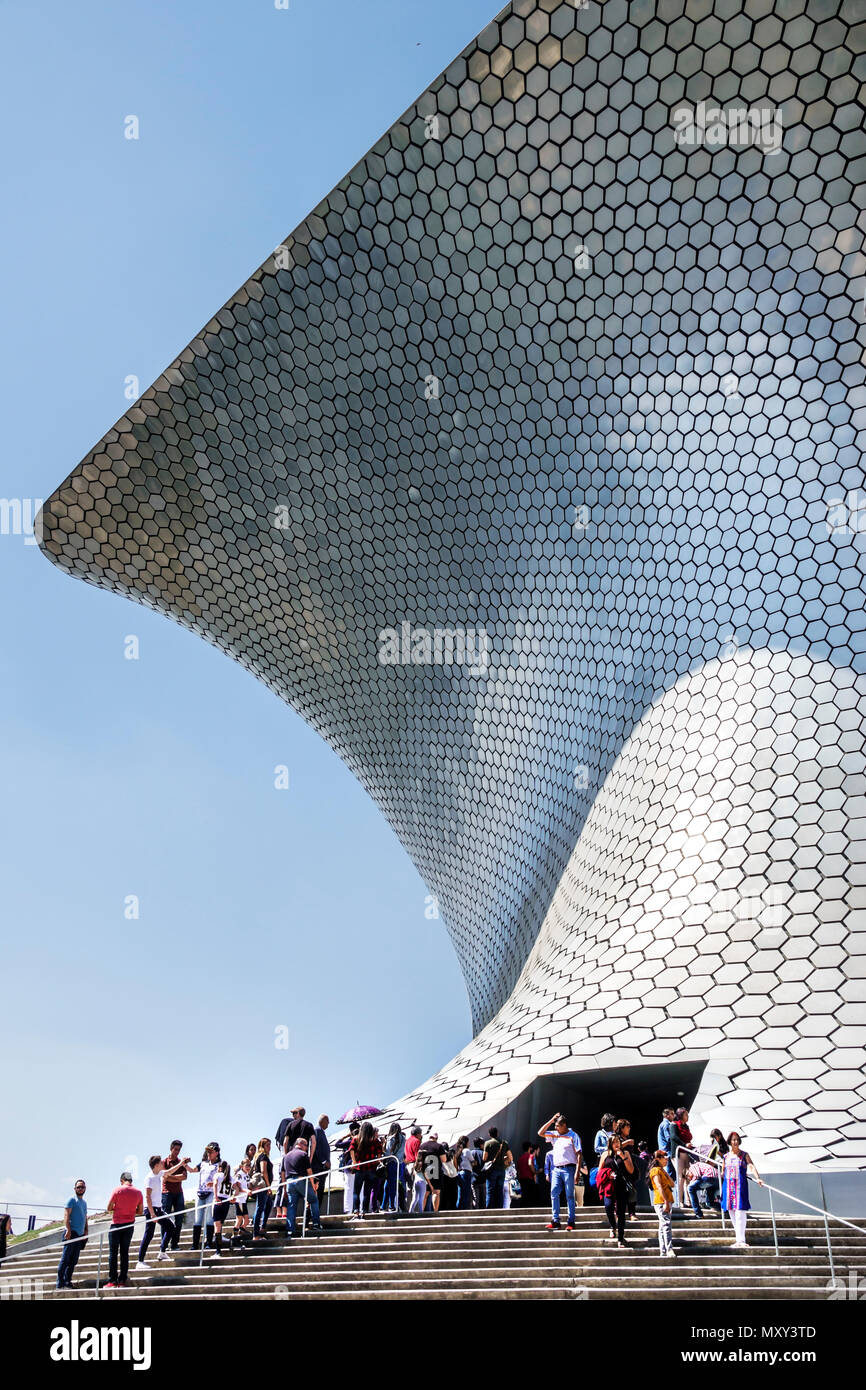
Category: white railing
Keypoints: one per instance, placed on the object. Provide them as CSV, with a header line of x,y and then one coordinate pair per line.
x,y
205,1206
789,1196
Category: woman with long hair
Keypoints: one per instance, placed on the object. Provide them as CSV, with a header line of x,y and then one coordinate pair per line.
x,y
395,1148
465,1173
263,1168
616,1174
735,1188
681,1139
622,1129
718,1147
364,1149
222,1200
204,1200
241,1189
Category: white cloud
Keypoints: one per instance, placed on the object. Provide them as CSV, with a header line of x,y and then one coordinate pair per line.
x,y
13,1191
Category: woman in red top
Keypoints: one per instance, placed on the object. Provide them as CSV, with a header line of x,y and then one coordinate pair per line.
x,y
681,1134
364,1149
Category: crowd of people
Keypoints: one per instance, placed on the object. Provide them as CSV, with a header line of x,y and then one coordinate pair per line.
x,y
402,1171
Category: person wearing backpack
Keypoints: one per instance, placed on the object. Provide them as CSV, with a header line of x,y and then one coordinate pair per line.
x,y
479,1178
497,1157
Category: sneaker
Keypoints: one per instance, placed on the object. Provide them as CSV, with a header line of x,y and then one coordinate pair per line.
x,y
570,1226
553,1226
142,1264
111,1286
215,1256
670,1254
163,1257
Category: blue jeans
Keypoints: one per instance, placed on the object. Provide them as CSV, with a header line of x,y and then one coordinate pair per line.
x,y
563,1181
295,1203
464,1191
495,1187
203,1210
712,1190
150,1231
172,1202
264,1202
68,1260
392,1174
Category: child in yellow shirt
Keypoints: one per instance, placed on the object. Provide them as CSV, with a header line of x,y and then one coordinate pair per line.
x,y
662,1187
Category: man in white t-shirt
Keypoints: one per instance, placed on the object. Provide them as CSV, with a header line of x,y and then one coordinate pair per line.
x,y
567,1159
153,1209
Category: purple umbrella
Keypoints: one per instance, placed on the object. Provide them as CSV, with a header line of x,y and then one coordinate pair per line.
x,y
360,1112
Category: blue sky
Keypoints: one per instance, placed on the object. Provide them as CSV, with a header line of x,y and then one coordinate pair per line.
x,y
258,908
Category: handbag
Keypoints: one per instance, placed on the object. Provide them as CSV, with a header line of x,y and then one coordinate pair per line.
x,y
258,1182
486,1168
449,1168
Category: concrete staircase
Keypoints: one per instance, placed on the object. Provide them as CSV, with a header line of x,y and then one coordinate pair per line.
x,y
491,1255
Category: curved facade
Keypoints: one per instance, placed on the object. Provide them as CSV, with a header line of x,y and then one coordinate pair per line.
x,y
530,470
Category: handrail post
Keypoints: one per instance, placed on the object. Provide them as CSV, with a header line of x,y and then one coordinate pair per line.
x,y
827,1234
306,1206
203,1235
773,1215
99,1266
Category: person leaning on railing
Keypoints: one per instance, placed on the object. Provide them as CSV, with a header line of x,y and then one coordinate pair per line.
x,y
681,1139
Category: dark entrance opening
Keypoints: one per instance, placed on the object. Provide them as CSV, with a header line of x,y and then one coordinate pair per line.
x,y
638,1094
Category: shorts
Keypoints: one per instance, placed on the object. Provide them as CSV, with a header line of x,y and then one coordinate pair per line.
x,y
241,1209
434,1183
221,1211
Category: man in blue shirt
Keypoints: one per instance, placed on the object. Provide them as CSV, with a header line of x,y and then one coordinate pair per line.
x,y
664,1135
567,1158
75,1231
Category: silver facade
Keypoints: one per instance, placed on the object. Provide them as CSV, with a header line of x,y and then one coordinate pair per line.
x,y
543,371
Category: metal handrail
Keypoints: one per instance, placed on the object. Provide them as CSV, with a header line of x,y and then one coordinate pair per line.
x,y
684,1149
328,1172
789,1196
171,1216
